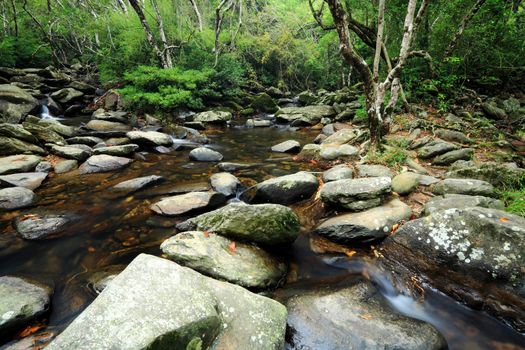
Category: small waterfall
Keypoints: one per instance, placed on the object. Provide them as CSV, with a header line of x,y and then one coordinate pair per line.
x,y
45,115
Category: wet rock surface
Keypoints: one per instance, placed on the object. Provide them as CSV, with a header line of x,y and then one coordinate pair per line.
x,y
225,183
287,189
103,163
16,197
185,203
203,154
28,180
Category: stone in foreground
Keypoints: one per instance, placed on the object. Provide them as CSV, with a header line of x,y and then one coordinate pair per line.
x,y
356,194
356,317
103,163
449,201
287,189
367,226
211,254
70,152
225,183
405,183
18,163
464,186
20,303
475,254
203,154
15,198
269,224
157,304
28,180
188,202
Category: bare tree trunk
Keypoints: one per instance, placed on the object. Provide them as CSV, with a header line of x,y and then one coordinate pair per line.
x,y
160,23
239,25
15,16
123,6
149,34
197,13
464,22
226,4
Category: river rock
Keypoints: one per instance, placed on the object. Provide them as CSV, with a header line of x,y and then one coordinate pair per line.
x,y
56,126
269,224
16,131
203,154
85,140
356,194
258,123
287,189
28,180
338,172
356,317
309,114
66,95
107,126
188,202
342,137
452,136
367,226
139,183
103,163
38,226
65,165
18,163
493,111
373,170
44,167
290,146
405,183
264,103
112,116
497,174
21,302
226,166
16,197
44,134
15,103
10,146
449,201
150,137
211,254
333,151
225,183
453,156
70,152
122,150
464,186
157,304
435,148
212,117
475,254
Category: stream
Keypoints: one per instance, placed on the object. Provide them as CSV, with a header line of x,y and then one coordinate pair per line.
x,y
112,228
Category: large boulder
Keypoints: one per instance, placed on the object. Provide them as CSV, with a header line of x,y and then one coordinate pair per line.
x,y
203,154
356,194
15,103
309,115
244,264
188,202
56,126
10,146
44,134
451,200
157,304
103,163
213,117
28,180
493,111
475,254
464,186
154,138
264,103
269,224
70,152
15,198
18,163
67,95
355,317
367,226
21,301
16,131
287,189
225,183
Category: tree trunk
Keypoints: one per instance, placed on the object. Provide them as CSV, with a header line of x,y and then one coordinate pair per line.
x,y
160,23
197,13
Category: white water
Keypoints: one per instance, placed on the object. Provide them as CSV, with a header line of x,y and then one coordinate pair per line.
x,y
45,115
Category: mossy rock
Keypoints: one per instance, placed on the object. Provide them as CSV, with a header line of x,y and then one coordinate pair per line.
x,y
264,103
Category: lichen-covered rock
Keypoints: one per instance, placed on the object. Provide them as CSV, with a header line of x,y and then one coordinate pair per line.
x,y
246,265
67,95
464,186
10,146
15,103
269,224
476,254
264,103
310,115
44,134
495,173
493,111
373,170
287,189
449,201
355,317
188,202
356,194
16,131
157,304
453,136
70,152
366,226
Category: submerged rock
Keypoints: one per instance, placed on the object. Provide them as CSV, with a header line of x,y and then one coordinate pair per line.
x,y
157,304
225,166
18,163
225,183
269,224
356,317
21,302
475,254
28,180
38,226
203,154
139,183
449,201
103,163
290,146
356,194
366,226
287,189
211,254
15,198
464,186
188,202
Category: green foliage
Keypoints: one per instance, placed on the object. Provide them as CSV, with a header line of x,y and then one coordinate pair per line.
x,y
513,195
24,51
393,157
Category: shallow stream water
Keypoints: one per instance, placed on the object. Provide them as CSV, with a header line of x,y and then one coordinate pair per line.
x,y
112,228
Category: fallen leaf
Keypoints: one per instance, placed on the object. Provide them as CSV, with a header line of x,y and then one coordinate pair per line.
x,y
29,330
232,247
504,219
350,253
29,216
91,249
206,234
313,162
366,316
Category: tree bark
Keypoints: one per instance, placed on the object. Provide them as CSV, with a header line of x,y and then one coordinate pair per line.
x,y
219,16
464,22
197,13
160,24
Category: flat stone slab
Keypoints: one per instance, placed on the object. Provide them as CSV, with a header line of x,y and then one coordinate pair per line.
x,y
70,152
464,186
188,202
16,197
290,146
435,148
245,264
103,163
156,304
28,180
451,200
338,172
373,170
121,150
139,183
287,189
453,156
21,301
150,137
107,126
203,154
356,317
367,226
356,194
18,163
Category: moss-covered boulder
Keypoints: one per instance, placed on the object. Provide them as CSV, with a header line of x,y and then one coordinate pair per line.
x,y
264,103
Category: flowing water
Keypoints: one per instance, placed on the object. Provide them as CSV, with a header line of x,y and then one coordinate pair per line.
x,y
112,228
